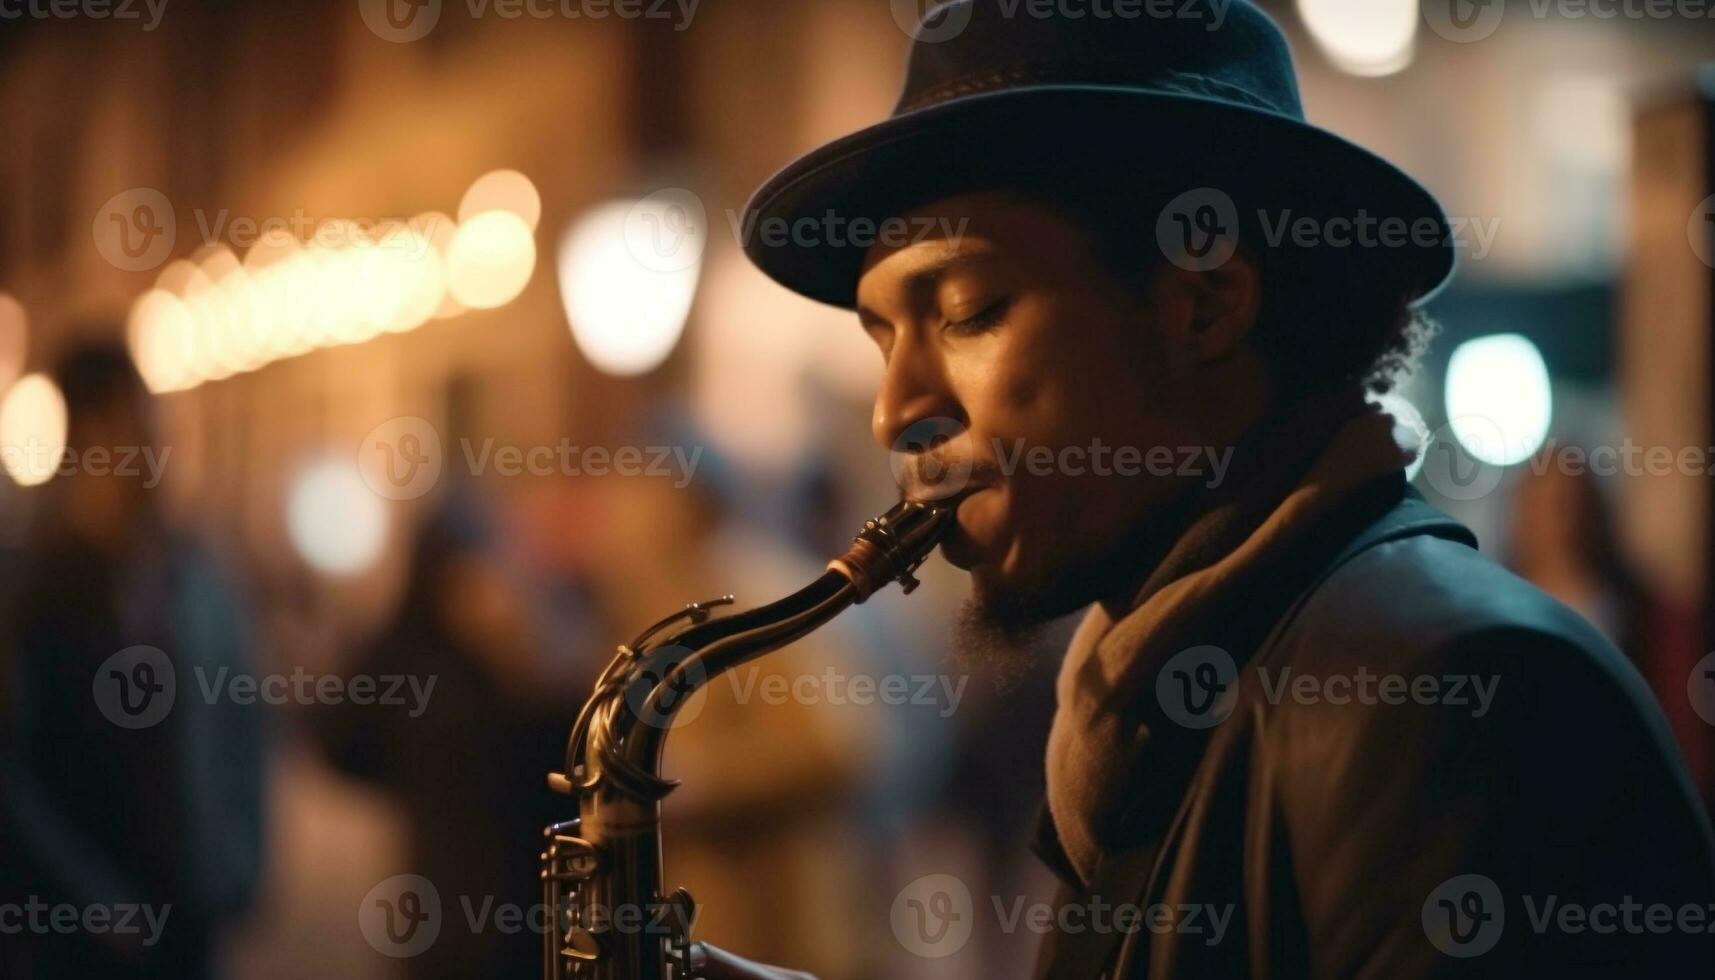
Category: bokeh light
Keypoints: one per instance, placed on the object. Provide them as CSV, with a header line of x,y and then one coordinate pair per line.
x,y
336,524
626,314
503,190
490,259
1499,403
1363,37
32,430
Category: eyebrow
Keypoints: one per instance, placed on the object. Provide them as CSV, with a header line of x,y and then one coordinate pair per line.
x,y
924,279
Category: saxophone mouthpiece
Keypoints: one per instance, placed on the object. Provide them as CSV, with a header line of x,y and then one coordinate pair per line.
x,y
892,546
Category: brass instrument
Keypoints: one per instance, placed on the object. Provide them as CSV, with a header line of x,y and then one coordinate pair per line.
x,y
601,873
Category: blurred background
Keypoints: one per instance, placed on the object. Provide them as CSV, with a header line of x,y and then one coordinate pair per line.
x,y
387,363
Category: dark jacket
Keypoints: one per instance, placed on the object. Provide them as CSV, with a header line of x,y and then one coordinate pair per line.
x,y
1554,834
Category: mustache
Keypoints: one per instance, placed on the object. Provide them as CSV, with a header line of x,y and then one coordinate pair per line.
x,y
936,476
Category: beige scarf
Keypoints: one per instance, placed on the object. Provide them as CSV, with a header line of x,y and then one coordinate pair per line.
x,y
1114,757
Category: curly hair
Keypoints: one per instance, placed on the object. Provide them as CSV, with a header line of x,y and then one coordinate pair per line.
x,y
1330,316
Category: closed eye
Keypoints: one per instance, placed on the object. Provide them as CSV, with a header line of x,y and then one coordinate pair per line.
x,y
985,319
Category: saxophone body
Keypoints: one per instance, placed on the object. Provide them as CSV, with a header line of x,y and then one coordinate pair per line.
x,y
602,883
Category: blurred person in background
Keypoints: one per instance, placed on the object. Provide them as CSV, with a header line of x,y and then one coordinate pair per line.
x,y
765,830
469,765
110,798
1564,540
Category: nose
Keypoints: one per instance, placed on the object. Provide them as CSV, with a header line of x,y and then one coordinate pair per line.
x,y
914,397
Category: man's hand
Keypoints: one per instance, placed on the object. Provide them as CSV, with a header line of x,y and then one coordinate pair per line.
x,y
709,963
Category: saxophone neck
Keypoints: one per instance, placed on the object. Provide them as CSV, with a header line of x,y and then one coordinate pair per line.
x,y
892,546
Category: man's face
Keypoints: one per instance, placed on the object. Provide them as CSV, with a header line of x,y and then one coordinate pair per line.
x,y
1049,379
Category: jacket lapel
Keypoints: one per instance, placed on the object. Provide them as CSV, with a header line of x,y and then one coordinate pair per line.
x,y
1133,874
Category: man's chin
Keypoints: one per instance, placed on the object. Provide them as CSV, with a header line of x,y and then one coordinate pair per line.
x,y
1000,631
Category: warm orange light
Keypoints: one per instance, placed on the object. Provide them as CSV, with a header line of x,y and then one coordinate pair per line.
x,y
502,190
32,430
490,259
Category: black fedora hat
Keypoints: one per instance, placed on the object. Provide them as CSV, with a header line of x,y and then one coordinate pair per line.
x,y
1192,95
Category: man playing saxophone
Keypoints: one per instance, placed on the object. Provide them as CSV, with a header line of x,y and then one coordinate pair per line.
x,y
1106,268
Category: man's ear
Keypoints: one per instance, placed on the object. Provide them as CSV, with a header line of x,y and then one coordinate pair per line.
x,y
1221,304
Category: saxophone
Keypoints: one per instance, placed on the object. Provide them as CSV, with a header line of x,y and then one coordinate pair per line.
x,y
601,872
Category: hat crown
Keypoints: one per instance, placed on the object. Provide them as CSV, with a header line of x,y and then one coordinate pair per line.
x,y
1221,49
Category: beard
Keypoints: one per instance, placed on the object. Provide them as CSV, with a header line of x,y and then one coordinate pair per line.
x,y
1007,630
1008,634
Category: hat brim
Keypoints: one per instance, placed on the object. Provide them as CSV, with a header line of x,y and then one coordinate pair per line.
x,y
804,227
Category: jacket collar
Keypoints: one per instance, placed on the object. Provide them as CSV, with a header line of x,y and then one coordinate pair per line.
x,y
1410,516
